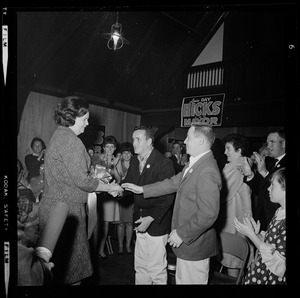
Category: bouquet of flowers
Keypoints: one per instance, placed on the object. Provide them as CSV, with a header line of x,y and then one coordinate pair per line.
x,y
102,173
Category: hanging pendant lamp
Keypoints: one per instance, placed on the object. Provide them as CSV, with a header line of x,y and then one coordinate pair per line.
x,y
115,38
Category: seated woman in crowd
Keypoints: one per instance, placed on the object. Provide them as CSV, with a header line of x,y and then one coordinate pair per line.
x,y
269,265
36,158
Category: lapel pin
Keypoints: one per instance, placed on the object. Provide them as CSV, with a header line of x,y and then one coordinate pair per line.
x,y
191,171
147,166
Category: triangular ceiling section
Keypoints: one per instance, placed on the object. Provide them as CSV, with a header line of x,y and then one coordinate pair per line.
x,y
213,52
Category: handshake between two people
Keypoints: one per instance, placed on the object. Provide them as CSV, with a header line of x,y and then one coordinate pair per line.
x,y
107,183
118,190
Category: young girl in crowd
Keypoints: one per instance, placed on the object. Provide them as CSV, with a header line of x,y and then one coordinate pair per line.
x,y
125,227
269,264
107,206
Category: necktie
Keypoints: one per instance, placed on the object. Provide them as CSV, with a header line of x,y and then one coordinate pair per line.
x,y
142,164
274,164
179,159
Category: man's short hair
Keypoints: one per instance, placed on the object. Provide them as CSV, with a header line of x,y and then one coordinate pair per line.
x,y
206,130
149,132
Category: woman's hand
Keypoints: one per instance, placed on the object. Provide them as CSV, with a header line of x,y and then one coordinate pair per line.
x,y
243,166
116,189
41,154
250,229
255,225
245,228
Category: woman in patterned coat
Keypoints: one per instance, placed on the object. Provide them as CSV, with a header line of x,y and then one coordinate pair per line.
x,y
67,179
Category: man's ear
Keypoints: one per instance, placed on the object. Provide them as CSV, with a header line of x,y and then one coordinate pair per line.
x,y
150,141
201,140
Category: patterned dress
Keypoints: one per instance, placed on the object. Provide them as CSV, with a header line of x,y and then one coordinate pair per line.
x,y
67,180
268,267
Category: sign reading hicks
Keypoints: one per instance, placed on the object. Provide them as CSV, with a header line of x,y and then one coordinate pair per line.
x,y
204,109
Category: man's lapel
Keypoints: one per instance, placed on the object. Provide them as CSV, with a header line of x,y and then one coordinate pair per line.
x,y
194,167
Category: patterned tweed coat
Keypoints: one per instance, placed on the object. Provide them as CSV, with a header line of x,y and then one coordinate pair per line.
x,y
67,180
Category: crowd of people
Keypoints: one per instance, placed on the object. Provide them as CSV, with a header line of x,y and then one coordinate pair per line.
x,y
182,199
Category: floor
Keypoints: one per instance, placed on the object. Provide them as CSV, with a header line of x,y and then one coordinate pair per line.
x,y
116,269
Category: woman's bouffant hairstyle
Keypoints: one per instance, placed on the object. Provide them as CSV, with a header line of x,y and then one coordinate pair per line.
x,y
238,141
69,109
126,146
110,140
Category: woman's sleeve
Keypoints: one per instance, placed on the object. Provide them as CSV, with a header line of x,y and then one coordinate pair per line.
x,y
77,165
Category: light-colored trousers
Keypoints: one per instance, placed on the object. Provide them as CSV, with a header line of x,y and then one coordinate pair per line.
x,y
192,272
150,261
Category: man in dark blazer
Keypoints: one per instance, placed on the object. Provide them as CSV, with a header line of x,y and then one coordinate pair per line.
x,y
153,215
260,181
197,203
176,157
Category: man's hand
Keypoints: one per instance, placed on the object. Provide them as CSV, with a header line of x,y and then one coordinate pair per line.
x,y
261,165
174,240
144,223
132,187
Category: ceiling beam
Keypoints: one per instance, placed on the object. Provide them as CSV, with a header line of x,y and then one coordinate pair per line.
x,y
192,30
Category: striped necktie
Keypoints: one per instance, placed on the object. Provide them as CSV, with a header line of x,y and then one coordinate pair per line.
x,y
142,164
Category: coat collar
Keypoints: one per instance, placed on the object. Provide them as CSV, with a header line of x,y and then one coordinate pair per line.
x,y
195,166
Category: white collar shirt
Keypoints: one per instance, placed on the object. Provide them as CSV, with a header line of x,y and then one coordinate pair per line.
x,y
279,159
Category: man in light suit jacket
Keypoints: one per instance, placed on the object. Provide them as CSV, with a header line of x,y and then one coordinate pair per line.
x,y
153,216
196,208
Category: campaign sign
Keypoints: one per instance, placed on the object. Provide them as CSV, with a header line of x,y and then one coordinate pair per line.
x,y
204,109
